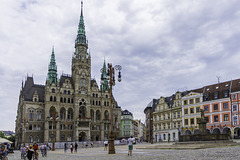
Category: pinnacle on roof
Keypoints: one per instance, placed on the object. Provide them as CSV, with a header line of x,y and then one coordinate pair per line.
x,y
81,36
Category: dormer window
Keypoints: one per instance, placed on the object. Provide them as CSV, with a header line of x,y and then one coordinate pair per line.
x,y
208,89
225,93
53,90
217,87
226,85
206,96
215,95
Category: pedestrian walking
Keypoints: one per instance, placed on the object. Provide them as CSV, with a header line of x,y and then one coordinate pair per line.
x,y
76,146
71,147
30,152
105,145
86,144
130,145
65,147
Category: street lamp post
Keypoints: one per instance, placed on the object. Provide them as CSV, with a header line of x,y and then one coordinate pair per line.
x,y
54,117
24,123
111,79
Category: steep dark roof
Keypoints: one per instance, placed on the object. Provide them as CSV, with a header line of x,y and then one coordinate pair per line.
x,y
126,112
92,82
220,90
30,88
64,77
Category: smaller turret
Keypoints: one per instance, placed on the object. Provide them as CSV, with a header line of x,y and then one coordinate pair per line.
x,y
52,70
104,81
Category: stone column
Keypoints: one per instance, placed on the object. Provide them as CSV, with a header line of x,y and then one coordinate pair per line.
x,y
46,132
57,131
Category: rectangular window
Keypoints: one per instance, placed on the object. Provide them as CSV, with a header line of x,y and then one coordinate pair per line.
x,y
159,118
215,118
163,107
234,107
178,115
168,116
198,109
168,125
155,118
191,110
185,102
235,119
39,115
215,106
178,124
191,101
234,96
174,115
186,111
197,100
206,108
192,121
226,118
186,121
163,117
164,127
207,119
215,95
175,124
225,105
225,94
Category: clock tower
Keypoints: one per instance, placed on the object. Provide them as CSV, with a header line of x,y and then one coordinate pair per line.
x,y
81,61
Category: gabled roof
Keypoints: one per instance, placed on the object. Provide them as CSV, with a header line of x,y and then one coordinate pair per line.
x,y
64,77
30,88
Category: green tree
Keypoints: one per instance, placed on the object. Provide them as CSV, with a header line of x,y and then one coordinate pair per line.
x,y
11,138
2,135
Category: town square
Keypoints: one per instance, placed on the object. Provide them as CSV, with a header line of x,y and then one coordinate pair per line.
x,y
120,79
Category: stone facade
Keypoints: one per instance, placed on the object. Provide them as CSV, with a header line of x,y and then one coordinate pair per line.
x,y
72,108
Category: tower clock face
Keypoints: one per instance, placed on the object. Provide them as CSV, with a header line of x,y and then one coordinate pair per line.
x,y
83,82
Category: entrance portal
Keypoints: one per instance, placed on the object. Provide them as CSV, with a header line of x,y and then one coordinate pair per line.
x,y
82,136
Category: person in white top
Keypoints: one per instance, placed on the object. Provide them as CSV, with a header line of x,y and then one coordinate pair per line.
x,y
105,145
130,145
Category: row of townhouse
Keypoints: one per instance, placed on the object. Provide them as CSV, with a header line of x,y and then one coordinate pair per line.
x,y
178,114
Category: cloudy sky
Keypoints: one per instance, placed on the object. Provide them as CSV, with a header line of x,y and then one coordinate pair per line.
x,y
163,45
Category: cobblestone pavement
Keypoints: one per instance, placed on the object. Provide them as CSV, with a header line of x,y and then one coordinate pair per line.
x,y
225,153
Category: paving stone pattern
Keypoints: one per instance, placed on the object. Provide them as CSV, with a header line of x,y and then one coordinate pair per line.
x,y
223,153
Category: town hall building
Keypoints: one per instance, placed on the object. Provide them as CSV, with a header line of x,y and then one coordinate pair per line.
x,y
70,108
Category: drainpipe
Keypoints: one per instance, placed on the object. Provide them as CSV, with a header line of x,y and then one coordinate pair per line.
x,y
231,106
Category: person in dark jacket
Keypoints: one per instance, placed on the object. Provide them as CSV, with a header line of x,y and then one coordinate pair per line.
x,y
76,146
30,153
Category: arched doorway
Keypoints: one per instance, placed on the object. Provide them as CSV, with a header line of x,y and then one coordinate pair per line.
x,y
237,133
187,132
196,131
216,131
226,130
82,136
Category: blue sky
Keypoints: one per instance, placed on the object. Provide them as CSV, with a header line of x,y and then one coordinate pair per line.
x,y
163,46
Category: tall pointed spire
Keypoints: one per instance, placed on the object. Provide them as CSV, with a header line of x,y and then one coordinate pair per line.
x,y
81,36
104,81
52,70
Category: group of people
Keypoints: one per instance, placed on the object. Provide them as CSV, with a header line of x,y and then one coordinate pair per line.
x,y
75,146
4,148
33,151
71,147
